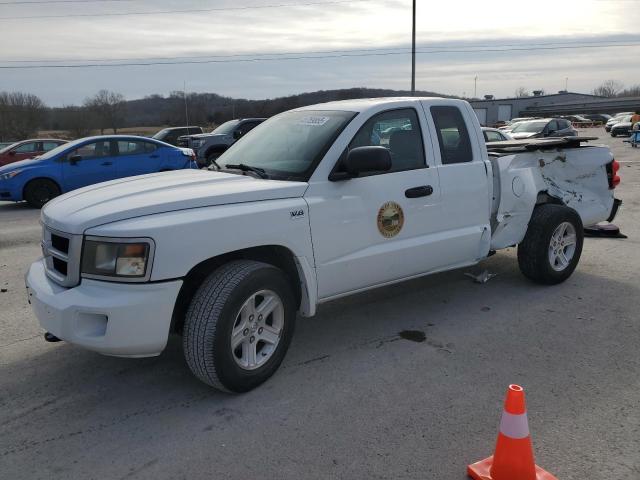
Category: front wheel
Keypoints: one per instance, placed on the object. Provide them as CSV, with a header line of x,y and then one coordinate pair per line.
x,y
40,191
239,325
552,245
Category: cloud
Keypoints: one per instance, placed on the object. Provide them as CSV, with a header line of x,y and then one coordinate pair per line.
x,y
370,24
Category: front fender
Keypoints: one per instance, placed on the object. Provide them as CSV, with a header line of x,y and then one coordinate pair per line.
x,y
186,238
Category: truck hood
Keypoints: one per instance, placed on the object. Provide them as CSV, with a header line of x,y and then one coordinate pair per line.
x,y
133,197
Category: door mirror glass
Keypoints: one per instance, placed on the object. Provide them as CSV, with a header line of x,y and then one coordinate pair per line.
x,y
368,159
73,159
237,134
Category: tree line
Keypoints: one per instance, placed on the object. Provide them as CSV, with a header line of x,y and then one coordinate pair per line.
x,y
23,114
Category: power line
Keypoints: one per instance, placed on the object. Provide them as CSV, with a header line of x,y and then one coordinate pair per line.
x,y
39,2
314,52
198,10
308,57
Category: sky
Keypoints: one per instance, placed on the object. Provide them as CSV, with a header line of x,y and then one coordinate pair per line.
x,y
260,48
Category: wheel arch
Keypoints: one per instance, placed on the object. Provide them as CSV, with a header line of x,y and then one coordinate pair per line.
x,y
545,198
218,148
276,255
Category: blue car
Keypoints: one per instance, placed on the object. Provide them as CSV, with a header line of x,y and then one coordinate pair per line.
x,y
85,162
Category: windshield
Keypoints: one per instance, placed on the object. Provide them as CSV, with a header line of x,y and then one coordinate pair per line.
x,y
288,145
226,128
160,135
530,127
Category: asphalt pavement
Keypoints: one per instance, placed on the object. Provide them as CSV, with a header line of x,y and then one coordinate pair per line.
x,y
404,382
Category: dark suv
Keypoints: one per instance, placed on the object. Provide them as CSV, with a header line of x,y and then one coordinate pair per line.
x,y
170,135
544,127
209,146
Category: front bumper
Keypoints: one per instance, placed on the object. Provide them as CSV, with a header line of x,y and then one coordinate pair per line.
x,y
123,320
9,192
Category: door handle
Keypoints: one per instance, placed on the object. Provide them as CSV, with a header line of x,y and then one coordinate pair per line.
x,y
415,192
153,156
106,164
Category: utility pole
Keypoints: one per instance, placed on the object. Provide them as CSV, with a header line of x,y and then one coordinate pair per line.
x,y
413,52
475,86
186,109
566,84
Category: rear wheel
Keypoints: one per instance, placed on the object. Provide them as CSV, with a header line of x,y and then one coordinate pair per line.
x,y
239,325
40,191
552,245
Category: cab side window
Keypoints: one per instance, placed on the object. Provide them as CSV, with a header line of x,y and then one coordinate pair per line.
x,y
399,132
92,150
46,146
492,136
247,127
453,136
26,148
131,147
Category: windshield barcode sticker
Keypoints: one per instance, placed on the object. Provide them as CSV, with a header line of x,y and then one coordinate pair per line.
x,y
313,121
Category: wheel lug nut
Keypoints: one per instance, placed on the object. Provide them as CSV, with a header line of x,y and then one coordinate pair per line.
x,y
251,318
260,317
252,339
260,330
245,332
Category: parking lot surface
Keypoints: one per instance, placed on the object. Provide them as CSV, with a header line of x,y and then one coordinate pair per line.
x,y
362,392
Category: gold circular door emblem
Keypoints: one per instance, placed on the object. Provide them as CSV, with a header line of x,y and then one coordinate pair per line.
x,y
390,219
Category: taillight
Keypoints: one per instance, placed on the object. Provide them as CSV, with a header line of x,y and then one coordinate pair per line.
x,y
612,174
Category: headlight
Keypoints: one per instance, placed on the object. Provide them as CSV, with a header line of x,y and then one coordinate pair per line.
x,y
117,259
9,175
197,143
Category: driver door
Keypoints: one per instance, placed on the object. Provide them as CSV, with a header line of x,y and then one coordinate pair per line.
x,y
380,227
96,163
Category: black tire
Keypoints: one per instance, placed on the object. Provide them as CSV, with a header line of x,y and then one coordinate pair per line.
x,y
211,317
533,251
39,191
613,134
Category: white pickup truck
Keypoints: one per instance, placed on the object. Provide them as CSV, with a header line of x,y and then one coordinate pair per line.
x,y
314,204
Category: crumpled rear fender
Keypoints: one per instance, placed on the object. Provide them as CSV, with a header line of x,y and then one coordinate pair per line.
x,y
575,177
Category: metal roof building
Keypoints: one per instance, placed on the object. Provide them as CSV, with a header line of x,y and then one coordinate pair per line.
x,y
490,110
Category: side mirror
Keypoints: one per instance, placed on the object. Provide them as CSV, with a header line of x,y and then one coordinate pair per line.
x,y
12,153
73,159
363,160
237,134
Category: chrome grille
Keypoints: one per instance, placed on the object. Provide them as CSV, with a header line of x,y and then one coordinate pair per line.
x,y
62,256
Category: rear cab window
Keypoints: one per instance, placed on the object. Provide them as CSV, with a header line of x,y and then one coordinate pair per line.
x,y
453,135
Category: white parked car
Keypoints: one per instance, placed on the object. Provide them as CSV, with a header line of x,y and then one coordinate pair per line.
x,y
495,135
310,206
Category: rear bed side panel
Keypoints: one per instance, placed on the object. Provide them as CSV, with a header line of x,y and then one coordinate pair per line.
x,y
575,177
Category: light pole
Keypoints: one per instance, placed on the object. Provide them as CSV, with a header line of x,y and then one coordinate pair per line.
x,y
186,108
475,86
413,52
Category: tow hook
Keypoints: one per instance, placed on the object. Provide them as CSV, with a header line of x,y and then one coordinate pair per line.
x,y
50,337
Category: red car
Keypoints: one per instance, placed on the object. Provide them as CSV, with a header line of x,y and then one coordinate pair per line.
x,y
27,149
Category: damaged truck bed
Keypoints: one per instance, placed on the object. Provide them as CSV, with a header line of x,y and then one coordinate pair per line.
x,y
563,170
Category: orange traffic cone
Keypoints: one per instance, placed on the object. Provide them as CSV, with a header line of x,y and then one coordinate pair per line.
x,y
513,457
